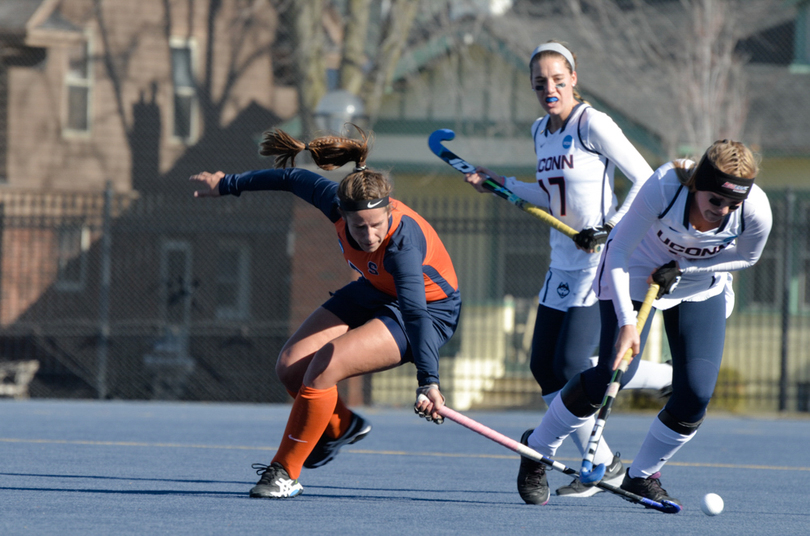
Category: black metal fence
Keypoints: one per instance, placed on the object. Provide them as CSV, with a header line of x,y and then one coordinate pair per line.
x,y
170,297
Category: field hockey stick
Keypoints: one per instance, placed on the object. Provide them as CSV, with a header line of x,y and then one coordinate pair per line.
x,y
667,507
435,143
588,474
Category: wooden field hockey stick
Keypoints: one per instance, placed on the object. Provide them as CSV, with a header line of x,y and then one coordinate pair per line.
x,y
667,507
588,474
444,134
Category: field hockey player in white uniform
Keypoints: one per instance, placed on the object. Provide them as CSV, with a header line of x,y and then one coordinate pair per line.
x,y
578,150
689,226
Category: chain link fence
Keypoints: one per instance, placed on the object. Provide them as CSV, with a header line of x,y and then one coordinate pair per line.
x,y
157,295
176,298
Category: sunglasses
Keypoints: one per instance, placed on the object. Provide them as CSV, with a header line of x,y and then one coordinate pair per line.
x,y
719,202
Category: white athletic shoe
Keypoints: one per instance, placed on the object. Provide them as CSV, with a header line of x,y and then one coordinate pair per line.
x,y
275,483
613,476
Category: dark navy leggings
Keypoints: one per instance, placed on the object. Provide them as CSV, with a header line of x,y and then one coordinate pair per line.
x,y
562,344
696,332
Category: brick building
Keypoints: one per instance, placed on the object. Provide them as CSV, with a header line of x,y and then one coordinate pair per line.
x,y
105,109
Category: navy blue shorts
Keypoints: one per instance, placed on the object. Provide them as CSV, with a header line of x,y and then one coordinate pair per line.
x,y
358,302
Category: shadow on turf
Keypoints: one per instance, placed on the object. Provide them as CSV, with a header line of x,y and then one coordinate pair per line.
x,y
238,482
402,490
308,490
179,480
131,492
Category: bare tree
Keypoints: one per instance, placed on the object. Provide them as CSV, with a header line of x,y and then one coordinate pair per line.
x,y
241,46
684,54
394,36
354,43
716,104
305,17
366,68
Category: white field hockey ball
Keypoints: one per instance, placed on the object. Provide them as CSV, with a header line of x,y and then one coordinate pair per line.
x,y
712,504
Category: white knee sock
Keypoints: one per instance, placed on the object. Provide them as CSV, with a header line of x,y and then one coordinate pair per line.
x,y
582,435
649,375
659,446
557,424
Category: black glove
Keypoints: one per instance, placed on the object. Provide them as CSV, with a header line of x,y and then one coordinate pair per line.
x,y
421,393
667,278
592,237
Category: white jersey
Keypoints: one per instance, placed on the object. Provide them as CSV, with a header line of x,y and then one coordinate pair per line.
x,y
656,230
575,167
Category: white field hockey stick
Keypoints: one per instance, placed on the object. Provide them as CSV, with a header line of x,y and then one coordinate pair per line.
x,y
435,143
588,474
667,507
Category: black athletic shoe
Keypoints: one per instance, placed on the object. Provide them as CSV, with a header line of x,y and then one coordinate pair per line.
x,y
649,487
531,481
614,473
327,447
275,483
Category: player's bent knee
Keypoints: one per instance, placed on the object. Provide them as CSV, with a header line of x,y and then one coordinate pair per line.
x,y
676,425
291,382
576,400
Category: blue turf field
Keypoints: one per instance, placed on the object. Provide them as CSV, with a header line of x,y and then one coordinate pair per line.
x,y
100,468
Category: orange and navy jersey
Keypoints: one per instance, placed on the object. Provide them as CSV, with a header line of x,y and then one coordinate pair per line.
x,y
409,235
411,246
411,266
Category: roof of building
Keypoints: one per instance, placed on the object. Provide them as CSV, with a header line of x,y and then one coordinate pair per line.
x,y
19,17
15,14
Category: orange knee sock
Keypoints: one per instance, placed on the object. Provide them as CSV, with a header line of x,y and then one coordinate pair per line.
x,y
311,412
340,421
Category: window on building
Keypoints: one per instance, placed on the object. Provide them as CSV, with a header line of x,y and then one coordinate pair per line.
x,y
72,244
801,37
77,88
233,281
185,92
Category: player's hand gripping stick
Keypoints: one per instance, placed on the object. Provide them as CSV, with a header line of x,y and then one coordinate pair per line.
x,y
666,507
588,474
435,143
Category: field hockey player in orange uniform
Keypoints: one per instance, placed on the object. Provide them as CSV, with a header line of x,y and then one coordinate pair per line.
x,y
404,306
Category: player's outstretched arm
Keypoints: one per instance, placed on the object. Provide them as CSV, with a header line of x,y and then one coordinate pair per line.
x,y
209,182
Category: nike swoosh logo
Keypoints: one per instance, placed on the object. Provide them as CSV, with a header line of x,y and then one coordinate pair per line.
x,y
296,440
372,205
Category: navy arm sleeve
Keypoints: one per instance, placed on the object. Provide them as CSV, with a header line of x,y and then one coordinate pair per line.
x,y
311,187
403,260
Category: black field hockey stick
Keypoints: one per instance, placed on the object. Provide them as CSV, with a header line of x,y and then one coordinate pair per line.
x,y
667,507
588,474
444,134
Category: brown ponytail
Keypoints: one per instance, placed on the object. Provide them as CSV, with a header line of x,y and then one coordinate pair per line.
x,y
330,152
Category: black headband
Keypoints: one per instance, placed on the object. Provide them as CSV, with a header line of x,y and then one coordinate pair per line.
x,y
350,205
710,179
